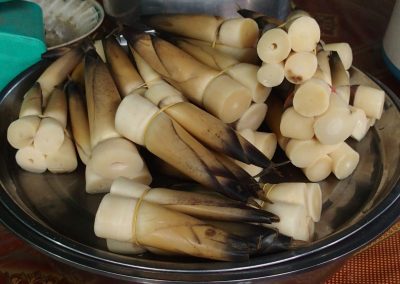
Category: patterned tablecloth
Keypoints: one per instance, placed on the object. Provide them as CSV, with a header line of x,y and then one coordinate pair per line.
x,y
359,22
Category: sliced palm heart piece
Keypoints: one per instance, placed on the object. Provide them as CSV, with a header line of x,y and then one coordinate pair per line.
x,y
148,224
21,132
49,136
304,33
312,98
64,160
31,160
300,66
274,46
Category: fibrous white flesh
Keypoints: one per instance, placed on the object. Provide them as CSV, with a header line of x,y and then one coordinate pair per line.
x,y
158,227
32,102
252,118
160,91
95,183
21,132
57,106
345,161
294,221
361,126
300,66
116,157
238,32
102,100
31,160
319,170
344,51
304,33
124,72
336,124
274,46
343,92
303,153
58,71
314,201
294,125
246,74
64,159
133,115
146,72
49,136
312,98
371,100
226,99
124,247
271,74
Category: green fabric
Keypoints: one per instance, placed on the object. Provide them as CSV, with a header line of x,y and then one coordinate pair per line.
x,y
21,38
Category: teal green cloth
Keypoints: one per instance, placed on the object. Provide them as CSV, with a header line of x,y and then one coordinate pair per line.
x,y
21,38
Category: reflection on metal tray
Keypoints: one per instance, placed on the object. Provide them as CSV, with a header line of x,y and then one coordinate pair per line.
x,y
55,214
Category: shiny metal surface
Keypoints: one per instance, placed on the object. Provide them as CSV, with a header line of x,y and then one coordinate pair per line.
x,y
54,213
226,8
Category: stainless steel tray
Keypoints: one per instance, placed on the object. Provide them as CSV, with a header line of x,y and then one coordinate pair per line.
x,y
54,213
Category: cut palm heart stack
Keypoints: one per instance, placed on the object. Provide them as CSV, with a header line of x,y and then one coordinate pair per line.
x,y
195,99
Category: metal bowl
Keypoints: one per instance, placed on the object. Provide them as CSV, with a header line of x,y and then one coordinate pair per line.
x,y
69,21
54,214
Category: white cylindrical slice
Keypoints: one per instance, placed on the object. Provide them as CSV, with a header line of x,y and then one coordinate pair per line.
x,y
143,176
133,124
95,183
252,118
300,66
238,32
334,126
31,160
312,98
271,74
21,132
161,90
294,125
64,159
274,46
246,74
294,221
361,126
324,70
124,247
371,100
343,92
49,136
116,157
303,153
319,170
304,33
345,161
226,99
344,51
